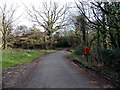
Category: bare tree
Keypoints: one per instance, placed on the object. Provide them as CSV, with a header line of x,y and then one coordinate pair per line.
x,y
7,19
51,17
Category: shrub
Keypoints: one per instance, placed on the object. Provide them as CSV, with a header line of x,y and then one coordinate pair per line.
x,y
111,58
79,50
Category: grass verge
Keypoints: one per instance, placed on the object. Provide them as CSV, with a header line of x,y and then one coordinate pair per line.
x,y
16,57
98,67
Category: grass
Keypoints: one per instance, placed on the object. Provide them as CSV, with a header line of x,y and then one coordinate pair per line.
x,y
91,63
16,57
73,56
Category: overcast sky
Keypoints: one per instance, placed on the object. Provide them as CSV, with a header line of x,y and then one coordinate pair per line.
x,y
21,10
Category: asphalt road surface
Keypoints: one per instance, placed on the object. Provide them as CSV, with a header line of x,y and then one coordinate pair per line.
x,y
54,72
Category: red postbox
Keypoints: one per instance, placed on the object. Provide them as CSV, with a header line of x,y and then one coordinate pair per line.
x,y
86,51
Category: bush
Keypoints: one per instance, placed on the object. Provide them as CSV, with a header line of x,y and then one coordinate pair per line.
x,y
79,50
111,58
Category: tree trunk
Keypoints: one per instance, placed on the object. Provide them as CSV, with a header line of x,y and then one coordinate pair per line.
x,y
104,41
4,43
112,40
45,43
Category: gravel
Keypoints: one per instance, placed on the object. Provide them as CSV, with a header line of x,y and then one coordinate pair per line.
x,y
14,77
